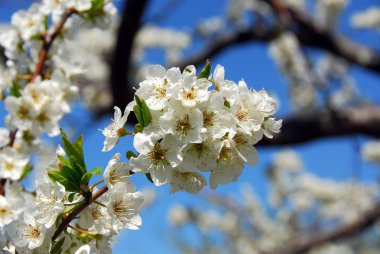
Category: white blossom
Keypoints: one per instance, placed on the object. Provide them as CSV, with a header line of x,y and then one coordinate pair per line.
x,y
115,130
26,232
123,207
12,163
116,171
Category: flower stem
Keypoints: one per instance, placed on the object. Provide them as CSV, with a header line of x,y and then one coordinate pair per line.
x,y
65,222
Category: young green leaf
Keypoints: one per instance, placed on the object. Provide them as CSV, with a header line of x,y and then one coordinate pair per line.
x,y
205,73
97,4
73,150
87,177
56,176
149,177
142,112
14,90
26,170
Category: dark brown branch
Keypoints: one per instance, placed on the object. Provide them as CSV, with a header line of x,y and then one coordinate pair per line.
x,y
362,223
227,41
321,124
120,80
65,222
307,32
310,34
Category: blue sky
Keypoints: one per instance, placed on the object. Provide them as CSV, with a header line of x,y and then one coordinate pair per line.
x,y
333,158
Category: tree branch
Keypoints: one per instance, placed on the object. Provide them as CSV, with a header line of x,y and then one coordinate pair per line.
x,y
65,222
344,231
321,124
227,41
121,87
48,42
310,34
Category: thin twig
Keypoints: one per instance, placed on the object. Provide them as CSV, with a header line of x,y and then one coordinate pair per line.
x,y
65,222
48,42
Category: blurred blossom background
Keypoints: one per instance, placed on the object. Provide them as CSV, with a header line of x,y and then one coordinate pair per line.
x,y
316,186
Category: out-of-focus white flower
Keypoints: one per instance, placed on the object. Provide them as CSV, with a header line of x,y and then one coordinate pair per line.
x,y
287,159
30,22
371,151
369,18
211,26
79,5
296,4
4,137
12,163
173,41
328,12
178,215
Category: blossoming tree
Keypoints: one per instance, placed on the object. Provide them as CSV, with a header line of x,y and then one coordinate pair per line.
x,y
187,124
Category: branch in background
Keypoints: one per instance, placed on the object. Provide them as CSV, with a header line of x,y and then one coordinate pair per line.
x,y
300,129
362,223
307,32
310,34
164,12
227,41
120,81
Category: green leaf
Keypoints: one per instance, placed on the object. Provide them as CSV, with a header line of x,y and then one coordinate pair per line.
x,y
187,70
79,144
205,73
72,175
227,104
71,197
64,161
57,246
73,150
26,170
130,155
56,176
97,4
46,23
77,166
15,89
142,112
87,177
149,177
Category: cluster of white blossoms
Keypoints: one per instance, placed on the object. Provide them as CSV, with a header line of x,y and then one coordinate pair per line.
x,y
39,81
29,222
299,202
193,124
371,151
369,18
328,12
287,54
188,124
